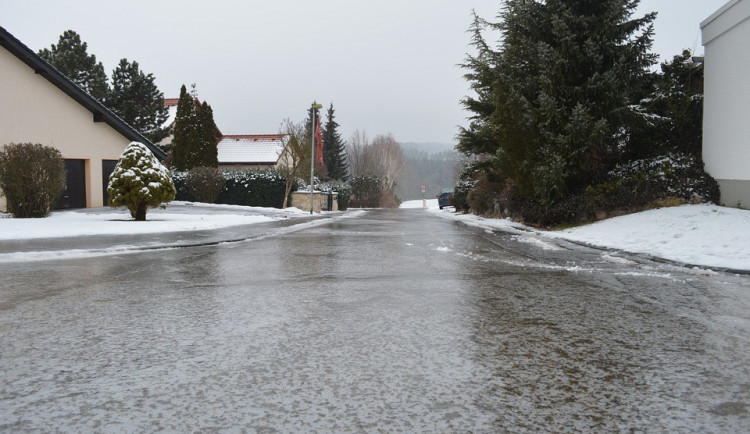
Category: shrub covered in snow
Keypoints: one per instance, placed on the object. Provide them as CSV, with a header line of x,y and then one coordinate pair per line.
x,y
243,187
32,177
366,191
139,182
640,182
205,183
343,189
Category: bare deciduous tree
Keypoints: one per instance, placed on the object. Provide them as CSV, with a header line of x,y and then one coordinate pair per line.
x,y
294,163
356,153
388,159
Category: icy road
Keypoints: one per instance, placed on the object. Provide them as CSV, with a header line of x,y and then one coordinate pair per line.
x,y
393,321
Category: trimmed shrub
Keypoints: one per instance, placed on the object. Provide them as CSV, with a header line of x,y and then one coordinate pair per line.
x,y
205,183
343,189
32,178
366,191
242,187
139,182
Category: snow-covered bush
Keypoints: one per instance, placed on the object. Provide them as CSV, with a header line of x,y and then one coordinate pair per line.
x,y
139,182
205,183
343,189
263,188
32,177
366,191
640,182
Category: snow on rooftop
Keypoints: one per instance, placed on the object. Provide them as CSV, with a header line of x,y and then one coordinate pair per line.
x,y
250,149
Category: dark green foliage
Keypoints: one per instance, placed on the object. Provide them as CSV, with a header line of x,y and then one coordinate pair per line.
x,y
366,191
343,189
552,102
136,100
671,111
209,137
641,182
205,183
195,134
334,149
139,182
629,187
242,187
186,140
32,177
70,57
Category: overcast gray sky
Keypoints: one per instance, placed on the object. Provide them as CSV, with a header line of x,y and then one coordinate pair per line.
x,y
386,65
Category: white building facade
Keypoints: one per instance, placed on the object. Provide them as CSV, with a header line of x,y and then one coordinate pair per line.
x,y
726,109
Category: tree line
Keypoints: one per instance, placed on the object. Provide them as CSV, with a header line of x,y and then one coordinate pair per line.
x,y
132,94
563,101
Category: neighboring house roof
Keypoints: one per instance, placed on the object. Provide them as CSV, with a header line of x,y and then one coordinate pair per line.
x,y
250,149
99,111
171,105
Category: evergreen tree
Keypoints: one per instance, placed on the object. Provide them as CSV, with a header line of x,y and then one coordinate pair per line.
x,y
671,111
195,134
139,182
136,99
70,57
553,101
186,140
209,137
334,149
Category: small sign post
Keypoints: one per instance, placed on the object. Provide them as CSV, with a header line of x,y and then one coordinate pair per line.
x,y
424,201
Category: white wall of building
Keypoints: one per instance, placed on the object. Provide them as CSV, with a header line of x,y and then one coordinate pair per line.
x,y
726,119
34,110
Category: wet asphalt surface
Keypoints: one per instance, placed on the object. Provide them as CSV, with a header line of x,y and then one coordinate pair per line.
x,y
389,321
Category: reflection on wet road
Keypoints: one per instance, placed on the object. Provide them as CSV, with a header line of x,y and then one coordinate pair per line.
x,y
393,321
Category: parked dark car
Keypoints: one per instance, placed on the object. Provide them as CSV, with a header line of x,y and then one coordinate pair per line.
x,y
445,197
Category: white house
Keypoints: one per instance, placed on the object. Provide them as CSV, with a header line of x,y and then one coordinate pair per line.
x,y
38,104
726,109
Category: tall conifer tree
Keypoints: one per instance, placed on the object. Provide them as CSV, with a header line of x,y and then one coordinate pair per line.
x,y
186,140
209,138
70,56
136,99
553,101
334,148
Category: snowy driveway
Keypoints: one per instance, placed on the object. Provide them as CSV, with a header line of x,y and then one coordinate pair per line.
x,y
391,321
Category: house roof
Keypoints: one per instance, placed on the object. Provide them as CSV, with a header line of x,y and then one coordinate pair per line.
x,y
171,105
725,18
250,149
99,111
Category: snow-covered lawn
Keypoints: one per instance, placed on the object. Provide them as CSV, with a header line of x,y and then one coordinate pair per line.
x,y
119,222
703,235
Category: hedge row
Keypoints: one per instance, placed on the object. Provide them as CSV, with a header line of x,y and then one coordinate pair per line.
x,y
242,187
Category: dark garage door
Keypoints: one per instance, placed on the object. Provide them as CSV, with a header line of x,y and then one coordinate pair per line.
x,y
74,195
108,166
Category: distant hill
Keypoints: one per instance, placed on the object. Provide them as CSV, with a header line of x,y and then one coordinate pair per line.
x,y
435,168
428,147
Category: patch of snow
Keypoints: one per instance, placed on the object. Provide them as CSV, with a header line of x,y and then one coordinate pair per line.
x,y
700,235
704,235
544,245
431,204
75,224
